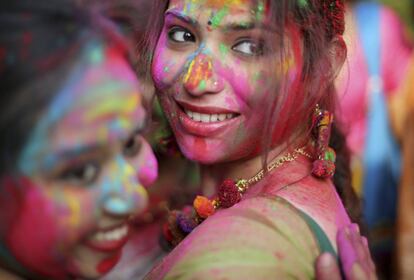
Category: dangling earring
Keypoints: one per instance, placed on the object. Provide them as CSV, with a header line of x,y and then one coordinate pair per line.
x,y
324,165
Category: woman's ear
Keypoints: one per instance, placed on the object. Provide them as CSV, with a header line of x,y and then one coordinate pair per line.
x,y
337,53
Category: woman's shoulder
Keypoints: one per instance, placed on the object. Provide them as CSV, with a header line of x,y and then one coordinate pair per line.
x,y
319,200
259,238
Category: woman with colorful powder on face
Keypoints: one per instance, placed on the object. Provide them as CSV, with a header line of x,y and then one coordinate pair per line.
x,y
72,159
248,89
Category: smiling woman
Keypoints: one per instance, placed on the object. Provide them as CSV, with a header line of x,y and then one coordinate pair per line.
x,y
247,86
73,161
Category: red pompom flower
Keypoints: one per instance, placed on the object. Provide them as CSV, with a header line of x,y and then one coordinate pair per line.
x,y
228,193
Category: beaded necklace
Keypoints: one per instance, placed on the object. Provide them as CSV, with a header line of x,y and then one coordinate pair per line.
x,y
230,192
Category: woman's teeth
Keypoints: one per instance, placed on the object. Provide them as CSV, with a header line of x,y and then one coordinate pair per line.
x,y
207,118
112,235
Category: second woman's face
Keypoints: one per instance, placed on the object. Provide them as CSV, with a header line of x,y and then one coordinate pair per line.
x,y
81,174
212,73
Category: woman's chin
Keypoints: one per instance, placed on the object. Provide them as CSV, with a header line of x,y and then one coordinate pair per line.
x,y
90,265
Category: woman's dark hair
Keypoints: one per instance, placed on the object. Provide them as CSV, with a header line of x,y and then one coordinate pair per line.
x,y
320,24
40,42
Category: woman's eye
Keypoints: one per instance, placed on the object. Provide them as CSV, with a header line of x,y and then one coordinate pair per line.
x,y
248,48
82,174
132,146
181,35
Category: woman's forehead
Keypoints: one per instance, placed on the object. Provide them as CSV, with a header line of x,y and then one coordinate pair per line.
x,y
219,5
218,12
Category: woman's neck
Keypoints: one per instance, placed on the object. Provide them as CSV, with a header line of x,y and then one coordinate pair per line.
x,y
213,175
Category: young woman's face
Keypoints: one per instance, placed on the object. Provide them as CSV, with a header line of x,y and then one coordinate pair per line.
x,y
82,174
213,76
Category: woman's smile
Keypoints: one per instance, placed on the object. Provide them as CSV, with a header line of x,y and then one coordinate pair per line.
x,y
109,239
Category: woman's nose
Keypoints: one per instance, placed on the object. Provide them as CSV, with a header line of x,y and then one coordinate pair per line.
x,y
123,194
201,77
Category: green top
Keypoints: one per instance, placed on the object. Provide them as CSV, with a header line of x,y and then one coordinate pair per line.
x,y
259,238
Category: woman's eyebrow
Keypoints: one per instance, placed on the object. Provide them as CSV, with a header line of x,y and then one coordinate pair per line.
x,y
245,25
55,159
182,16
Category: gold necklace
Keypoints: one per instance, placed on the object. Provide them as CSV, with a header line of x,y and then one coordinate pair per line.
x,y
244,184
230,192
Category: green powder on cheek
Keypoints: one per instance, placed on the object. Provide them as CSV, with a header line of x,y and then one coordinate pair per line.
x,y
223,49
256,77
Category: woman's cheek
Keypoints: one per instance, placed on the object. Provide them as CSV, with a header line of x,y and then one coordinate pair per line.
x,y
241,83
35,235
167,66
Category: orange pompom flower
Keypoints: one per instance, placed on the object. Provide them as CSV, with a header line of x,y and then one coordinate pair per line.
x,y
203,206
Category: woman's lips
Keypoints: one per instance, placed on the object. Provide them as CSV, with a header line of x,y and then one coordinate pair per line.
x,y
109,240
205,121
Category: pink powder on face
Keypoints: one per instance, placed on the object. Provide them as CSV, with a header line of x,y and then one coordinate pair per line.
x,y
34,236
148,170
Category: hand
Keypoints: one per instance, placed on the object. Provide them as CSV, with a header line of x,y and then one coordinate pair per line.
x,y
354,255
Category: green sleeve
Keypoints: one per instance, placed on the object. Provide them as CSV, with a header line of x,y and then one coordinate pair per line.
x,y
259,238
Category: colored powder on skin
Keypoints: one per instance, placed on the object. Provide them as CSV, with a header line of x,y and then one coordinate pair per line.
x,y
218,17
96,56
217,4
74,211
260,11
57,109
124,183
36,142
200,69
223,49
202,85
168,67
256,77
190,6
200,147
40,222
117,205
126,105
